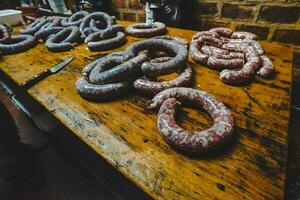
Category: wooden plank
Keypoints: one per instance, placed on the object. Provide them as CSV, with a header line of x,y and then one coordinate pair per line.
x,y
124,132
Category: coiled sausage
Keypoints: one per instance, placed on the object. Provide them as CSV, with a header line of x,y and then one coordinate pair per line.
x,y
192,141
155,69
144,30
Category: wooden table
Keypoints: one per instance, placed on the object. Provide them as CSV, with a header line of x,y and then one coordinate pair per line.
x,y
124,133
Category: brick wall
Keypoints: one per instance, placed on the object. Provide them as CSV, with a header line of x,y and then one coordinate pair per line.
x,y
129,10
272,20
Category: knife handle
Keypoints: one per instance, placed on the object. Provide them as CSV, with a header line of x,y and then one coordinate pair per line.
x,y
35,79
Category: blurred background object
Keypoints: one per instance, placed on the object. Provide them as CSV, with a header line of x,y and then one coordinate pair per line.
x,y
94,5
171,12
10,16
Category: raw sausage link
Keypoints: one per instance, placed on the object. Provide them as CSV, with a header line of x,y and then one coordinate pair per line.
x,y
225,32
196,54
231,55
219,63
192,141
267,68
243,35
235,77
148,87
101,92
46,33
144,30
213,51
52,22
177,40
34,27
107,43
205,33
62,41
235,45
155,69
243,75
112,69
109,31
75,19
17,44
196,45
209,40
257,47
88,68
98,41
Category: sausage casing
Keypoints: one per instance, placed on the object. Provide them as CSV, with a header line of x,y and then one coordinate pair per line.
x,y
192,141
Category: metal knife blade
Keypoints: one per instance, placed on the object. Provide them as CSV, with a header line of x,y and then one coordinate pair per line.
x,y
61,65
34,80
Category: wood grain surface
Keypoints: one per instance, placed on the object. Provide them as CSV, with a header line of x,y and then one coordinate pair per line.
x,y
124,132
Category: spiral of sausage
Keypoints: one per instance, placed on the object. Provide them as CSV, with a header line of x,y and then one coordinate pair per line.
x,y
149,88
113,69
75,19
62,41
235,77
4,33
155,69
238,54
110,39
108,77
17,44
144,30
86,27
88,68
195,48
192,141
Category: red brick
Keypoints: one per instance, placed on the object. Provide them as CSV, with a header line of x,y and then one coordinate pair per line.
x,y
287,36
206,8
119,3
208,24
278,14
129,16
238,11
261,32
135,5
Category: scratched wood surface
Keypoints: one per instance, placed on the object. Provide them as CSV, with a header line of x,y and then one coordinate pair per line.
x,y
124,132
